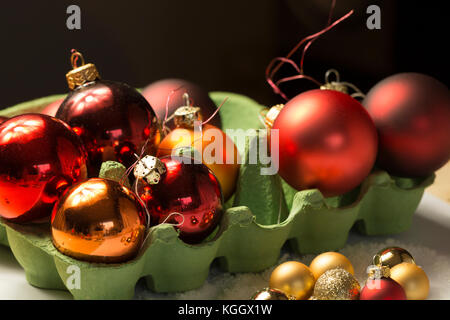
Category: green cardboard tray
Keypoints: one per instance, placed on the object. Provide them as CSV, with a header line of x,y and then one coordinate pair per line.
x,y
261,217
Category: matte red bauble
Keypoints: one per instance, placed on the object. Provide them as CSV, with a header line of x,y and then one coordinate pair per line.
x,y
382,289
52,108
189,192
40,157
412,114
327,141
157,93
113,119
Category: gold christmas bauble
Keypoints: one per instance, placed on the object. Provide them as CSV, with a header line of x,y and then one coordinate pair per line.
x,y
293,278
336,284
413,280
330,260
392,256
270,294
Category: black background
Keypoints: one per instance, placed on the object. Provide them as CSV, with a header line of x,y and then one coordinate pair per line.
x,y
221,45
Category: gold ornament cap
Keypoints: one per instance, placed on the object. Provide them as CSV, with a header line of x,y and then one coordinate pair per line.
x,y
272,114
150,169
186,115
80,74
378,272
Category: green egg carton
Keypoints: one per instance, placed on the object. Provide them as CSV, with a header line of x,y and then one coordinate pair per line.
x,y
263,215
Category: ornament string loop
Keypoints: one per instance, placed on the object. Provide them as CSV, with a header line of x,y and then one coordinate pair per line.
x,y
273,68
74,58
174,224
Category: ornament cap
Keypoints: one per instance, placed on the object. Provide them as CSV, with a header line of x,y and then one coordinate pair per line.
x,y
80,74
377,272
186,115
150,169
272,114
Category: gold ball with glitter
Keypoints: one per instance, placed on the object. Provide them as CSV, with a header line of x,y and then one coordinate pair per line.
x,y
270,294
413,280
294,279
337,284
330,260
392,256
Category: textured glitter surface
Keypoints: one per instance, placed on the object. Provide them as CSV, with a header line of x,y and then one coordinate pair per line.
x,y
337,284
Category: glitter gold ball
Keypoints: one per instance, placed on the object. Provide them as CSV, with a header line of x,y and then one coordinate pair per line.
x,y
392,256
413,280
293,278
271,294
336,284
330,260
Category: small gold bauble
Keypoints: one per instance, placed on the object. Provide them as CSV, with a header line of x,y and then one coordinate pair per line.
x,y
330,260
413,280
270,294
337,284
293,278
392,256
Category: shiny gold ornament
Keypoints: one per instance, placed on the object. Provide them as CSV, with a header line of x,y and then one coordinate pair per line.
x,y
413,280
392,256
293,278
98,220
337,284
270,294
330,260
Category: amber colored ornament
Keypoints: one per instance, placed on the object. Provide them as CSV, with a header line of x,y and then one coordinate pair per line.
x,y
413,279
113,119
294,279
180,192
337,284
330,260
270,294
392,256
40,157
327,141
98,220
159,91
52,108
222,155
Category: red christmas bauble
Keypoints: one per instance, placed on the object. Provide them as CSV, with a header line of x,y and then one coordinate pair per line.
x,y
412,114
3,119
189,189
52,108
327,140
40,157
157,93
382,289
113,120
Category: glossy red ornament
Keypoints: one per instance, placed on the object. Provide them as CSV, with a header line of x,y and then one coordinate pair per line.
x,y
40,157
327,140
157,92
52,108
113,120
382,289
189,189
3,119
412,114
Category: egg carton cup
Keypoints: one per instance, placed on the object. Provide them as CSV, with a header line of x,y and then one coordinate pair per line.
x,y
264,214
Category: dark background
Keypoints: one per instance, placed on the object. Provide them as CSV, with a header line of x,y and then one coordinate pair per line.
x,y
221,45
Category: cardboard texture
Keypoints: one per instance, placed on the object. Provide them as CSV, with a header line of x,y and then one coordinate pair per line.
x,y
262,216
